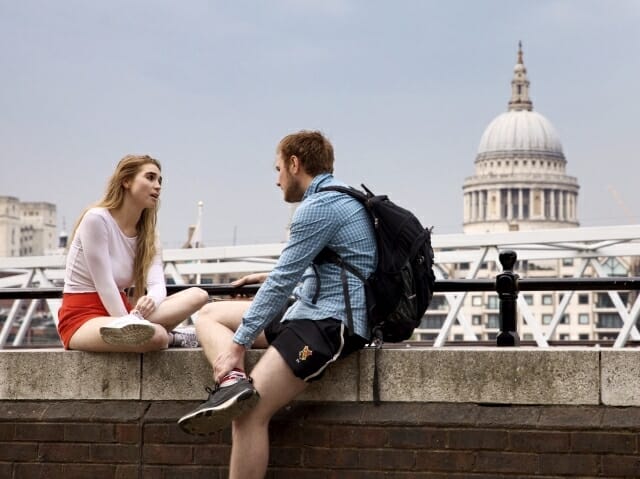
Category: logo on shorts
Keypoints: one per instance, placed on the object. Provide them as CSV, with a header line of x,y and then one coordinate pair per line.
x,y
304,354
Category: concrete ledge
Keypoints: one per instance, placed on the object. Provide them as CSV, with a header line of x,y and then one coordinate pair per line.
x,y
60,374
620,377
527,376
486,375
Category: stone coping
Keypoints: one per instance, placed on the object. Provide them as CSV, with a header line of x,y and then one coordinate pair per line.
x,y
483,375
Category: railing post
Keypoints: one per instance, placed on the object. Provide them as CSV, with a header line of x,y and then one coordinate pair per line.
x,y
507,288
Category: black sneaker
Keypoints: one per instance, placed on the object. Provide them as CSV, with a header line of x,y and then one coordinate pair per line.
x,y
217,412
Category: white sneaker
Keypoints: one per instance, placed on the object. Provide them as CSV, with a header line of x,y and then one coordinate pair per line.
x,y
184,338
129,329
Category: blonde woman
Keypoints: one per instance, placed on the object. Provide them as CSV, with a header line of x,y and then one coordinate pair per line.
x,y
114,247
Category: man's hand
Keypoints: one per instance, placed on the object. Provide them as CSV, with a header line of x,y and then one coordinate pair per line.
x,y
251,279
145,306
232,357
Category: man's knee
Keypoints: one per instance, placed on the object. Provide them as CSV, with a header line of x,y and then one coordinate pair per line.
x,y
207,316
209,311
226,313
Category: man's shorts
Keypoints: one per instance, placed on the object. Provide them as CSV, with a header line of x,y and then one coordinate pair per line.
x,y
310,346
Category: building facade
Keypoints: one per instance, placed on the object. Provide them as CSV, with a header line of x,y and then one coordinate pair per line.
x,y
27,228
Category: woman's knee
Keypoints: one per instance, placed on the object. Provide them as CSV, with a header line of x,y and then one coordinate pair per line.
x,y
199,296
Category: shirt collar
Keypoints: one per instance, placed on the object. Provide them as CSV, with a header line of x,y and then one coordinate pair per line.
x,y
316,183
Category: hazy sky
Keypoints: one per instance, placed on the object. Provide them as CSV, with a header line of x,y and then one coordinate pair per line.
x,y
404,89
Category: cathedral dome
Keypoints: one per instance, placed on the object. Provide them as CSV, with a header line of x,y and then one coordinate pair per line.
x,y
520,130
520,182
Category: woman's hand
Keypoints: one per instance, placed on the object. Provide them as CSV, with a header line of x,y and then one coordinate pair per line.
x,y
145,306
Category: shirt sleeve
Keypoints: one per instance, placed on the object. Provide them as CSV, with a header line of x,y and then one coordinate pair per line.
x,y
94,237
156,286
312,227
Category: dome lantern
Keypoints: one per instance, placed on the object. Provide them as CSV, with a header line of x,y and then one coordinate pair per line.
x,y
520,86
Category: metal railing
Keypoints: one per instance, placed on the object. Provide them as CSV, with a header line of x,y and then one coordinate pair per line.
x,y
506,284
463,311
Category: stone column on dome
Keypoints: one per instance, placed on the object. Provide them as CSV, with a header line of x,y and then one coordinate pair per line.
x,y
552,210
474,214
509,204
520,197
465,208
485,195
538,199
474,206
493,205
561,208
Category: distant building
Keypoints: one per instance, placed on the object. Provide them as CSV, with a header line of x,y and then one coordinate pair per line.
x,y
27,228
520,184
520,181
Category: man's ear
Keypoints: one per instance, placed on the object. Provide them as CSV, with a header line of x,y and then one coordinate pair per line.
x,y
294,164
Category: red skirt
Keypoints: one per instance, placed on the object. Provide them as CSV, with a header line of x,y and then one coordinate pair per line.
x,y
77,309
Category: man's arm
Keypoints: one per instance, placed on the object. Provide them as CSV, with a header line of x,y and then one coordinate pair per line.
x,y
253,278
313,226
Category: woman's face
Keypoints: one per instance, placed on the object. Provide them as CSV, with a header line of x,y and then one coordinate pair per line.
x,y
144,189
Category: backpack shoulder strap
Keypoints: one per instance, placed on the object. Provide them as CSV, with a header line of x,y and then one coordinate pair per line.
x,y
347,190
327,255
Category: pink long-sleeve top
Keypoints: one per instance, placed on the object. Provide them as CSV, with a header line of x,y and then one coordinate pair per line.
x,y
100,259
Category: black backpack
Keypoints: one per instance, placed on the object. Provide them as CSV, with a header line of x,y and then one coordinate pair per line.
x,y
400,289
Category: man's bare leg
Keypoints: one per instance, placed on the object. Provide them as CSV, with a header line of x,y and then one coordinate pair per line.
x,y
277,386
233,393
216,324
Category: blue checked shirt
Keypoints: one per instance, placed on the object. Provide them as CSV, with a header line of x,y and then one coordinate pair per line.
x,y
322,219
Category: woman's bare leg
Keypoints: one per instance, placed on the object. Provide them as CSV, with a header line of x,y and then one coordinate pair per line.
x,y
88,338
178,307
171,312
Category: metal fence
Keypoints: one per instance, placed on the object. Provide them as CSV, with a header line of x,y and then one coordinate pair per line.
x,y
28,282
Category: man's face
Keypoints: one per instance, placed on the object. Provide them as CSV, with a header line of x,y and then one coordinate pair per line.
x,y
288,181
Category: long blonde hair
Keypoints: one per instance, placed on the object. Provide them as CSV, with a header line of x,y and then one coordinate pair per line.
x,y
127,169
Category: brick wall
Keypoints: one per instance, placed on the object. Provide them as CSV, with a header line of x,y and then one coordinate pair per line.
x,y
140,439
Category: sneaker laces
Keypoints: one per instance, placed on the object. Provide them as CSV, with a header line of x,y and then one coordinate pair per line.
x,y
216,386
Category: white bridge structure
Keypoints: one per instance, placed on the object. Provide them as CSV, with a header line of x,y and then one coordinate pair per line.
x,y
457,256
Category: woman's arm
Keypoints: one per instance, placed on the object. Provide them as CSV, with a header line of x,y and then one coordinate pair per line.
x,y
156,285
